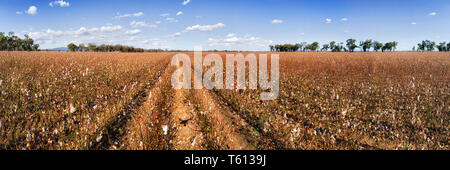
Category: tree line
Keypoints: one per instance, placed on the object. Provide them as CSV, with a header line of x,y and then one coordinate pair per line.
x,y
107,48
12,42
349,46
427,45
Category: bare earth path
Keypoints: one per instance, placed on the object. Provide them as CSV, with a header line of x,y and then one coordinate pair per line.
x,y
185,120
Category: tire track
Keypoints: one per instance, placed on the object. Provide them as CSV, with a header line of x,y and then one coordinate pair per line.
x,y
186,127
269,140
111,134
146,130
228,131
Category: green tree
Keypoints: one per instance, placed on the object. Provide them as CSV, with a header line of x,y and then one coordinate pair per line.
x,y
431,46
377,46
82,48
421,46
27,43
92,47
325,47
313,46
448,46
72,47
351,45
442,47
388,46
394,45
35,47
365,45
3,43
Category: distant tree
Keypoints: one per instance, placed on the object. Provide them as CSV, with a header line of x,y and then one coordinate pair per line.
x,y
325,47
92,47
271,47
35,47
72,47
3,42
394,45
448,46
82,48
119,47
333,46
421,46
427,45
342,47
27,43
303,46
377,46
365,45
11,42
17,43
351,45
442,47
313,46
388,46
296,47
431,46
414,48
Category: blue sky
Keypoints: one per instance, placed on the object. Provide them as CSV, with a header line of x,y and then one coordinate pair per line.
x,y
225,24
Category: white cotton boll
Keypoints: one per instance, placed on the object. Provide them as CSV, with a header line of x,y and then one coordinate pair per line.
x,y
72,109
99,138
165,129
193,142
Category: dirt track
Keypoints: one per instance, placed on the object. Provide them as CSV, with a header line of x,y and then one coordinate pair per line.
x,y
183,120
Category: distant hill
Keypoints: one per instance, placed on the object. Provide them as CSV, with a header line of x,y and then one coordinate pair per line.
x,y
59,49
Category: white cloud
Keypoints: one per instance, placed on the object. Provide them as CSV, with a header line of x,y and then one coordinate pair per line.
x,y
60,3
344,19
123,16
32,10
46,35
328,20
142,24
413,23
204,27
106,34
133,32
178,34
138,24
171,20
185,2
231,35
137,14
164,15
84,31
158,22
234,42
302,33
179,13
277,21
198,28
110,28
19,12
432,14
51,34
